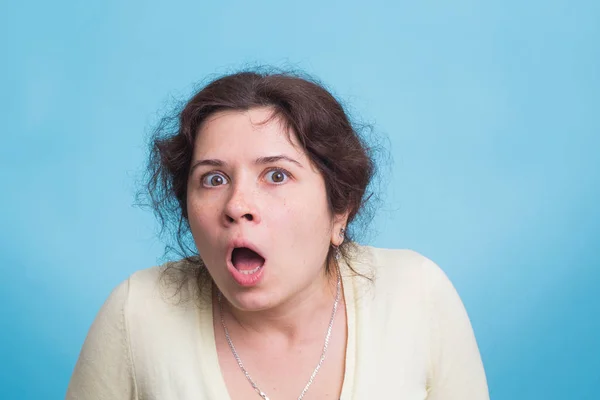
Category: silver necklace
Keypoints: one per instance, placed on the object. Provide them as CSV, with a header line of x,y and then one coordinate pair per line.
x,y
317,368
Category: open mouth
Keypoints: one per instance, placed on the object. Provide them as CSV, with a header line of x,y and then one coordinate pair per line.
x,y
246,261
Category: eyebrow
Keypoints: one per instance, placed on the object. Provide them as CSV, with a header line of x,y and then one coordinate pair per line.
x,y
259,161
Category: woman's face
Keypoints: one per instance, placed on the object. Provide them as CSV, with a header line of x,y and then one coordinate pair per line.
x,y
258,210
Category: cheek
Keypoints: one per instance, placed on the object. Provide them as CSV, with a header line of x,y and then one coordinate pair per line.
x,y
304,216
202,220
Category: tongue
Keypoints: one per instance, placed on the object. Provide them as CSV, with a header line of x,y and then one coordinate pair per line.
x,y
245,259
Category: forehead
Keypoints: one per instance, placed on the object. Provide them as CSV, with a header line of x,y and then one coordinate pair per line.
x,y
257,129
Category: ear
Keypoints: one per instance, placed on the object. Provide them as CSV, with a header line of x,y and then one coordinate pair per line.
x,y
338,228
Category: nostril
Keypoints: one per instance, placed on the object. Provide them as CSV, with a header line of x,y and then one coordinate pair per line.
x,y
248,217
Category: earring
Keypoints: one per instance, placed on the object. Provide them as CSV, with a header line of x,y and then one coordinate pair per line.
x,y
342,232
336,253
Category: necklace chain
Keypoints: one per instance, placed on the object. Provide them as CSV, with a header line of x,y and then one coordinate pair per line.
x,y
323,353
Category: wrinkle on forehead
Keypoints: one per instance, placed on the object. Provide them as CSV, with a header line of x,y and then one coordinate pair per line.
x,y
267,115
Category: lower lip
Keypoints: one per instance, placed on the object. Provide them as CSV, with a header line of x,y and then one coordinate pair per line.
x,y
246,280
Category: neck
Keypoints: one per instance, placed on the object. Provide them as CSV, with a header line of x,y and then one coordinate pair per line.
x,y
295,319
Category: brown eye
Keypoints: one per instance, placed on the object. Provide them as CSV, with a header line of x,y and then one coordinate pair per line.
x,y
214,179
277,176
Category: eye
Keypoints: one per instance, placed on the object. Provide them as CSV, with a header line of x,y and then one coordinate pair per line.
x,y
214,179
277,176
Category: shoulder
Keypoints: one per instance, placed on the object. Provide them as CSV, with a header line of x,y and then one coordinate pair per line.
x,y
159,305
399,275
387,266
146,321
157,290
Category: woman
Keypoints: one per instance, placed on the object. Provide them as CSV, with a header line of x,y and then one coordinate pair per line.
x,y
267,174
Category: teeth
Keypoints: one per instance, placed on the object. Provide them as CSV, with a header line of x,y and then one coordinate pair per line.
x,y
250,271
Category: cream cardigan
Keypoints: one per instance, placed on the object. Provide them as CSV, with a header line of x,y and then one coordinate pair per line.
x,y
409,338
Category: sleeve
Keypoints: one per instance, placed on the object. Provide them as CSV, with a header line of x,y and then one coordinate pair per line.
x,y
456,369
104,370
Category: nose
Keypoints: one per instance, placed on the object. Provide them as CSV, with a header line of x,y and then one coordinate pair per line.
x,y
241,206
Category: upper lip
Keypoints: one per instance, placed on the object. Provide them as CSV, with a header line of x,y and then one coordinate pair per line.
x,y
237,243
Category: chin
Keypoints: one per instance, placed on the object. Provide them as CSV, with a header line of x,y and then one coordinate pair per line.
x,y
251,300
247,300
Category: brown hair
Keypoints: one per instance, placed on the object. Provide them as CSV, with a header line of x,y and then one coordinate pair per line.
x,y
318,120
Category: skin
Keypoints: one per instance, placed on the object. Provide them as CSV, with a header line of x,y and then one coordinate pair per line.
x,y
280,207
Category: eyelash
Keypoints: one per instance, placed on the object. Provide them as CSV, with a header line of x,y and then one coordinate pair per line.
x,y
285,172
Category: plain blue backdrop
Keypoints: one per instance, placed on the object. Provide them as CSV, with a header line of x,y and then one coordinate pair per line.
x,y
491,110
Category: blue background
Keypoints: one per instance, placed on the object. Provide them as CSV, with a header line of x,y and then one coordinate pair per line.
x,y
492,110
